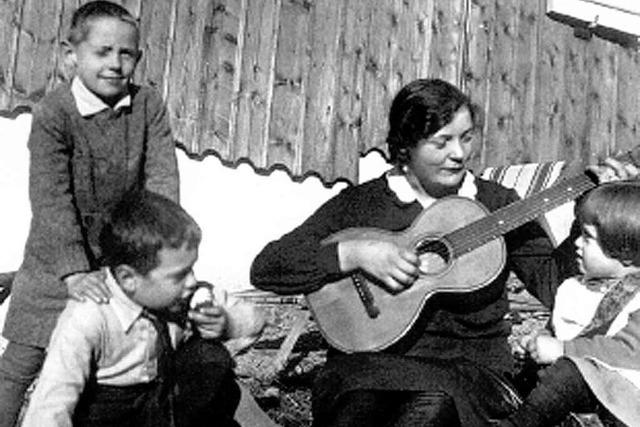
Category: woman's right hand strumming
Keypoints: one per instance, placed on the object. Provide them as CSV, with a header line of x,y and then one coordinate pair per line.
x,y
395,268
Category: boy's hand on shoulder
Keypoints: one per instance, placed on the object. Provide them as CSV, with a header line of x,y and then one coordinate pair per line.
x,y
210,321
81,286
546,349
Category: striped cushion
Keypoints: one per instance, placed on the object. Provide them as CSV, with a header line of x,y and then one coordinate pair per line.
x,y
530,178
526,179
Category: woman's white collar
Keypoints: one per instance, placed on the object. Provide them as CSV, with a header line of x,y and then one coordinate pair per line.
x,y
406,193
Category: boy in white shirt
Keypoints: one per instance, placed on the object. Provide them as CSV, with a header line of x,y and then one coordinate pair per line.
x,y
133,361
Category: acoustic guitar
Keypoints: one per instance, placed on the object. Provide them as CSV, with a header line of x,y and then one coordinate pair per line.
x,y
461,249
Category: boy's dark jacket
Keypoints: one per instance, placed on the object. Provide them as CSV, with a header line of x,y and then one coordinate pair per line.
x,y
79,168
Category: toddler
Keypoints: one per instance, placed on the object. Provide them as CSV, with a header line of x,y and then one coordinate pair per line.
x,y
595,348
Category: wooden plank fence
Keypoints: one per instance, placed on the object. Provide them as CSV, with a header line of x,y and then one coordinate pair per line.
x,y
306,84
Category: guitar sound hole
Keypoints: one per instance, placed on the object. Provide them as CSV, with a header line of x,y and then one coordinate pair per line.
x,y
434,256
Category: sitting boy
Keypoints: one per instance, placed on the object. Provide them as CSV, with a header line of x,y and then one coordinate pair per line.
x,y
134,361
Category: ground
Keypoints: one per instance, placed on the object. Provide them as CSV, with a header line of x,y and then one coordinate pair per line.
x,y
285,394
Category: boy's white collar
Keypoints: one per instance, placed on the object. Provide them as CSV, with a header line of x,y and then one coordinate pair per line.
x,y
126,310
88,103
400,185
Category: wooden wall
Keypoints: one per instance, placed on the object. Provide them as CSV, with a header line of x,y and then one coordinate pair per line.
x,y
306,84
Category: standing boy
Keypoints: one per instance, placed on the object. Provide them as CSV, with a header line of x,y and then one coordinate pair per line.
x,y
114,364
91,141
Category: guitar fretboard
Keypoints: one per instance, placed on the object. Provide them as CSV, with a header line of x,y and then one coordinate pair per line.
x,y
465,239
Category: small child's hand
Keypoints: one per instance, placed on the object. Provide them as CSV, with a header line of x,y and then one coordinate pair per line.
x,y
210,321
546,349
88,285
521,346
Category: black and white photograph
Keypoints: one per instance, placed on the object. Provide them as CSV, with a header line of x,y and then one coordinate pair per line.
x,y
319,213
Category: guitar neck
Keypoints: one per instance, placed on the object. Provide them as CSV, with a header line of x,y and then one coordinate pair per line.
x,y
510,217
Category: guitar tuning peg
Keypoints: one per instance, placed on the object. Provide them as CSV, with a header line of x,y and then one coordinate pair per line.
x,y
634,157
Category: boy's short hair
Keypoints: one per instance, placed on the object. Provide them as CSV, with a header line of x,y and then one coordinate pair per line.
x,y
88,12
419,110
614,210
142,224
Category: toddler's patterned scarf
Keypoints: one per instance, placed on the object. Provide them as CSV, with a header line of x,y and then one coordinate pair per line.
x,y
620,293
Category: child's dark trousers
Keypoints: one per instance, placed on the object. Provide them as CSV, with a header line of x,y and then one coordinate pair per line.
x,y
560,390
204,393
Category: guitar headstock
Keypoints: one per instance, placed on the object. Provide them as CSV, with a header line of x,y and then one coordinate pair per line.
x,y
599,172
630,156
578,167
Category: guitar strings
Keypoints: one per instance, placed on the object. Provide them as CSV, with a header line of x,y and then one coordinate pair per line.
x,y
507,218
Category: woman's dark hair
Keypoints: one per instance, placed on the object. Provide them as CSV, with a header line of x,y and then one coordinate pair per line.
x,y
142,224
614,210
91,11
419,110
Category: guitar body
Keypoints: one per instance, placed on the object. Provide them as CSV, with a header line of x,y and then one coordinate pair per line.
x,y
340,309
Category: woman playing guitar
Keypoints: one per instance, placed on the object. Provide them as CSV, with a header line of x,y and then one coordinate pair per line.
x,y
450,368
